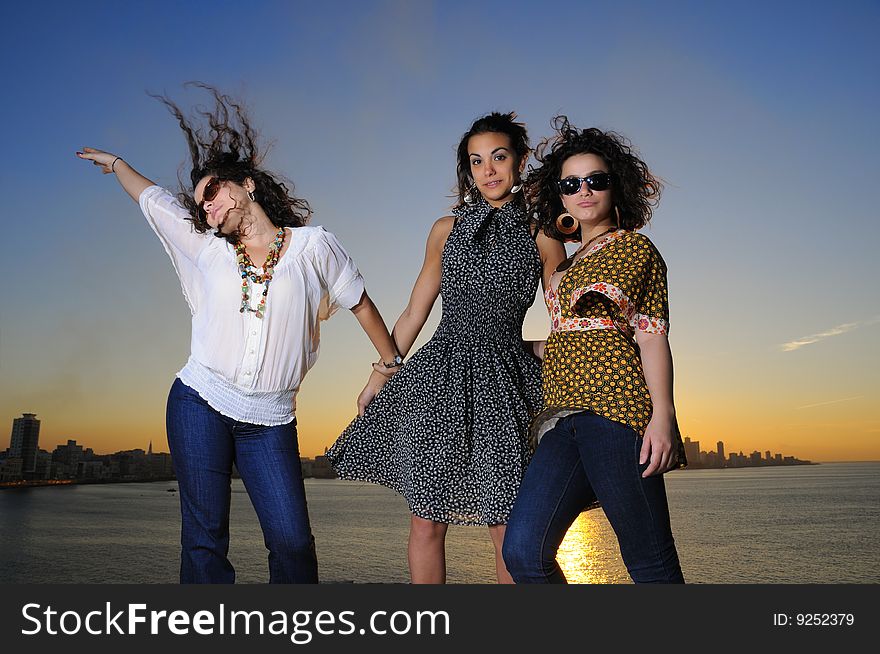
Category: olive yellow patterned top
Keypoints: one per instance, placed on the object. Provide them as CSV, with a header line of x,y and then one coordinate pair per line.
x,y
591,361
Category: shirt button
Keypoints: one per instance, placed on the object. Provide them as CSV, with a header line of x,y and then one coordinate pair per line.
x,y
254,333
247,374
252,351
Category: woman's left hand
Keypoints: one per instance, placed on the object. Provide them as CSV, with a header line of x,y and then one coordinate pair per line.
x,y
371,390
659,445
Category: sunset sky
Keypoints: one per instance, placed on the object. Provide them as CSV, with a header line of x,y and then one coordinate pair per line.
x,y
761,117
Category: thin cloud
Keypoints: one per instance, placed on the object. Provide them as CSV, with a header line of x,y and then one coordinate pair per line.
x,y
845,399
834,331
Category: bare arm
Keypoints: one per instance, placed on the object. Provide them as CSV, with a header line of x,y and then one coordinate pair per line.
x,y
659,440
552,254
131,180
425,290
374,326
413,318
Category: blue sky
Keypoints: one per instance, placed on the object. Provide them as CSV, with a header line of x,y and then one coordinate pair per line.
x,y
760,116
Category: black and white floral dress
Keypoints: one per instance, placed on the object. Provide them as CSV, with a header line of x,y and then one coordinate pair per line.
x,y
449,431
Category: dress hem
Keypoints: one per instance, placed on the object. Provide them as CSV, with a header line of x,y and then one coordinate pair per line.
x,y
390,485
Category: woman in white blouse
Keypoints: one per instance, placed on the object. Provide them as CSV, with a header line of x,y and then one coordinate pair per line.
x,y
254,337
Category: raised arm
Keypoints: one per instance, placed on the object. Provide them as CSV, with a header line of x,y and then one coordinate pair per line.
x,y
131,180
166,216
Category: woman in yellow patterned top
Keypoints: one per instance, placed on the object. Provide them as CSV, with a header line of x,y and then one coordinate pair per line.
x,y
608,431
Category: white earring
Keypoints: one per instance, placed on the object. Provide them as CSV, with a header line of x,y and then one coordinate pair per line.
x,y
516,188
251,196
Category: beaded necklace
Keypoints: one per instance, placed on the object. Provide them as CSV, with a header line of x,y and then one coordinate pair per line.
x,y
248,273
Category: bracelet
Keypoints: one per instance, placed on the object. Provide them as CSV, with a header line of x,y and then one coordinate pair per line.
x,y
112,169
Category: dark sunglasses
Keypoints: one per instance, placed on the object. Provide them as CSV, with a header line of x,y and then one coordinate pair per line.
x,y
594,182
212,188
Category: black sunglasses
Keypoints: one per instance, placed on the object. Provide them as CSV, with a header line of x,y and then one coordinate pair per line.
x,y
594,182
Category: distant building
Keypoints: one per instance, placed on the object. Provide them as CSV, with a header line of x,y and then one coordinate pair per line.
x,y
692,452
721,458
129,465
11,470
24,443
319,468
160,463
92,470
43,467
70,454
322,469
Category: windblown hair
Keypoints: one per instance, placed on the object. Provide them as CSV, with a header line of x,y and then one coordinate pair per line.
x,y
228,149
497,123
634,190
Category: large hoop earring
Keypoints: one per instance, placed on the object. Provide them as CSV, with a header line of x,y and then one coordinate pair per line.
x,y
469,196
516,188
566,223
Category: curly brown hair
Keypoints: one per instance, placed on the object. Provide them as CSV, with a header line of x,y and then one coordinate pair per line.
x,y
634,190
228,150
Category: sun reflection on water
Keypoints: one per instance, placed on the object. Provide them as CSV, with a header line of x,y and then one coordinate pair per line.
x,y
589,553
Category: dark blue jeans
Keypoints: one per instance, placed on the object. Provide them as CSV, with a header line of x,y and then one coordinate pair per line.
x,y
586,457
204,445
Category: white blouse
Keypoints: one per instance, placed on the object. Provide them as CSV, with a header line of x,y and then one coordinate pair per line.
x,y
245,367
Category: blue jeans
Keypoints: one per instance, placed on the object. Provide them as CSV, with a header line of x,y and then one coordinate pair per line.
x,y
204,445
586,457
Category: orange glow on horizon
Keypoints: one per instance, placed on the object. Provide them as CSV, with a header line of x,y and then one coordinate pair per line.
x,y
130,414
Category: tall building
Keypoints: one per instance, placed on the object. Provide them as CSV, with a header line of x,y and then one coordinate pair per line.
x,y
692,452
24,442
721,457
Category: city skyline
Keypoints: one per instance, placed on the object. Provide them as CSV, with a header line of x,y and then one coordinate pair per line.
x,y
698,458
25,463
768,220
720,446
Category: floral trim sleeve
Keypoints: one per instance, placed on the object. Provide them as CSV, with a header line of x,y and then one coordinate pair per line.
x,y
652,304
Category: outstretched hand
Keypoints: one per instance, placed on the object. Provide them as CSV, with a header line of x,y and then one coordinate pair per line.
x,y
99,158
